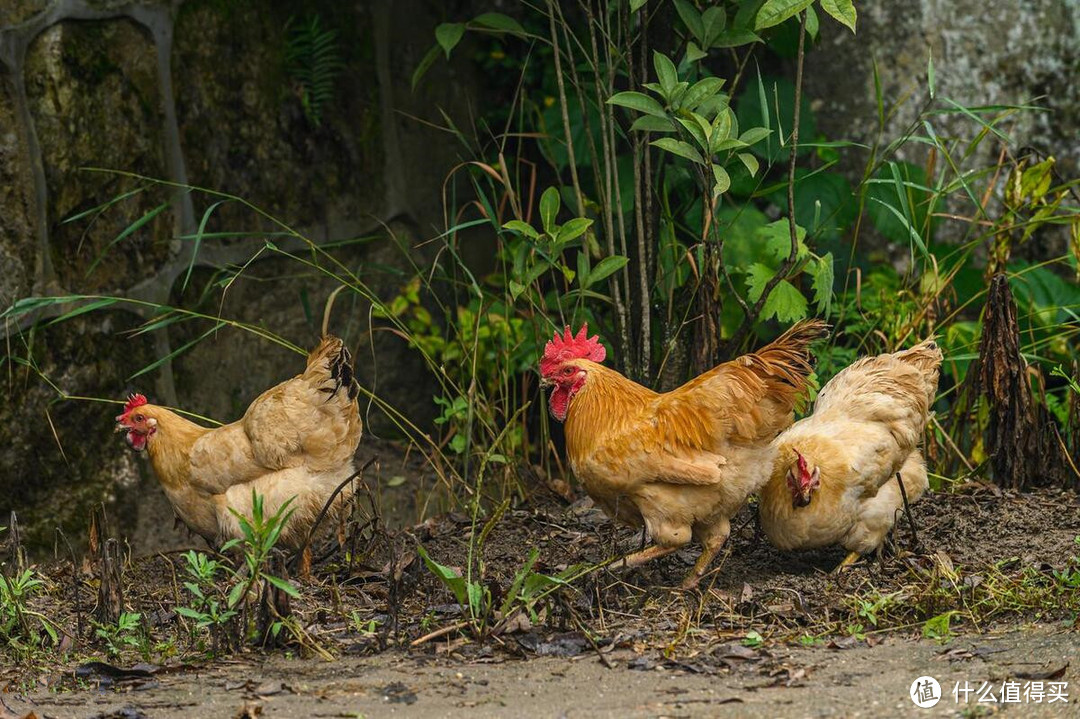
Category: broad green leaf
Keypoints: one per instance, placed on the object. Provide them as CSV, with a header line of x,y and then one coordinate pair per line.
x,y
498,21
843,11
822,270
665,73
636,5
713,20
750,161
606,267
755,135
649,123
694,128
736,37
692,19
583,268
811,22
721,128
678,147
777,237
638,101
757,276
701,91
785,303
774,12
549,208
693,52
448,35
723,180
572,230
523,227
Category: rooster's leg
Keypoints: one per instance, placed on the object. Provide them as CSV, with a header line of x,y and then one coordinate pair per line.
x,y
850,559
712,539
636,559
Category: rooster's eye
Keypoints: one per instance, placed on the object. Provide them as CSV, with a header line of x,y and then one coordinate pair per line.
x,y
139,418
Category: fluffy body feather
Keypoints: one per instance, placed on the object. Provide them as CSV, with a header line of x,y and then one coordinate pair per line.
x,y
679,463
296,440
866,426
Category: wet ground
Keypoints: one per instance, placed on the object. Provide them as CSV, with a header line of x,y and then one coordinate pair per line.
x,y
994,577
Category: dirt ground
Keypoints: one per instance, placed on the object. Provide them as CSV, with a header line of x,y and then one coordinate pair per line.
x,y
859,681
768,634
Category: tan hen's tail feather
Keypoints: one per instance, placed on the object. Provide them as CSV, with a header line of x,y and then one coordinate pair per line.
x,y
338,363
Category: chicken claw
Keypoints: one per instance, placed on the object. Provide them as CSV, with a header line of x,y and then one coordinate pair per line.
x,y
850,559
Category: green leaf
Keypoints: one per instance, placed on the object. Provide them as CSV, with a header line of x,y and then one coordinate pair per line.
x,y
694,128
638,101
198,240
812,25
130,229
693,52
282,585
774,12
448,35
678,147
785,303
692,19
822,283
549,208
755,135
500,22
713,20
665,73
236,594
607,267
736,37
424,65
777,238
750,162
701,91
721,128
572,230
929,72
723,180
648,123
636,5
90,307
843,11
522,227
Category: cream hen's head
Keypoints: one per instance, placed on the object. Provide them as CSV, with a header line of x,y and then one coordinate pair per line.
x,y
137,422
561,367
802,481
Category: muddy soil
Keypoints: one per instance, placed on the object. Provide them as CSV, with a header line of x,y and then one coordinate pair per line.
x,y
857,681
767,634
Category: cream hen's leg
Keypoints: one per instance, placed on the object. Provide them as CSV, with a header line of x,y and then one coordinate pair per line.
x,y
712,538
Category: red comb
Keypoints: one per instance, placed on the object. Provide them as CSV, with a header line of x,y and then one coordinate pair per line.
x,y
134,400
570,346
801,462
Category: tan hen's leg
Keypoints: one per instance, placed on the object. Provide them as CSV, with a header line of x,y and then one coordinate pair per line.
x,y
712,539
636,559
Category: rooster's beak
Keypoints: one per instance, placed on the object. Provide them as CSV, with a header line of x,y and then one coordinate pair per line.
x,y
545,383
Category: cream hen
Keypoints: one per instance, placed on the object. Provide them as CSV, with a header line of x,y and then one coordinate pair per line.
x,y
834,480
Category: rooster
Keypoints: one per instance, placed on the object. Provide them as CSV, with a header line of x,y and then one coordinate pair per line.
x,y
680,463
832,482
296,441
